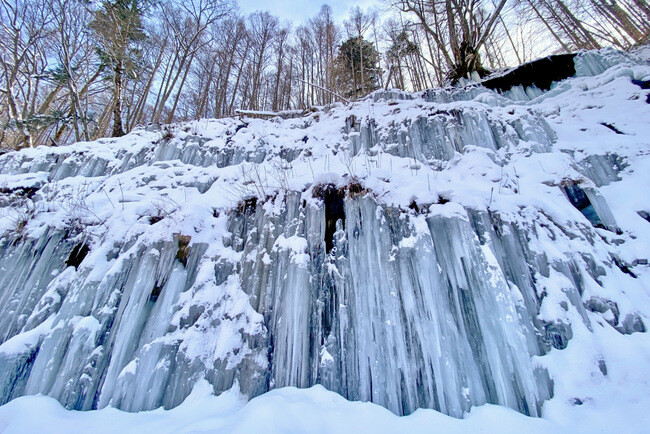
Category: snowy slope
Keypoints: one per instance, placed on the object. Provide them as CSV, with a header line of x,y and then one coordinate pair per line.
x,y
462,271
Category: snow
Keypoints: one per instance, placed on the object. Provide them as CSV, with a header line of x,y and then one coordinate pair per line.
x,y
482,293
130,368
311,410
25,341
298,247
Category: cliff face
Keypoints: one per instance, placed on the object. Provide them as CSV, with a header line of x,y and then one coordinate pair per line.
x,y
440,250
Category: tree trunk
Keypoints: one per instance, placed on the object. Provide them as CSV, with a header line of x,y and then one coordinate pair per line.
x,y
118,131
548,26
624,20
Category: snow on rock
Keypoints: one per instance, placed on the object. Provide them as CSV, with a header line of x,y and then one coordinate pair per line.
x,y
445,250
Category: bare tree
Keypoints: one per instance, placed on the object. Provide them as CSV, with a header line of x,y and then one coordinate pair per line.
x,y
26,27
460,28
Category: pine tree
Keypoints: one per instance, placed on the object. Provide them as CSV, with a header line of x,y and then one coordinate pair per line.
x,y
401,48
357,67
118,26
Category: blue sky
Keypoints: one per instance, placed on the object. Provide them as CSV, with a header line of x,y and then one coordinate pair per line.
x,y
298,11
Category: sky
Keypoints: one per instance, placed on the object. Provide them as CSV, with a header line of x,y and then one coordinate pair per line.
x,y
298,11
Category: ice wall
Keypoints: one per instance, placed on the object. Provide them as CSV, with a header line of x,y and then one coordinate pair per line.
x,y
444,303
403,315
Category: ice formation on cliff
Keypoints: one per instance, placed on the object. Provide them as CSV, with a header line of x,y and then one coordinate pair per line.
x,y
433,250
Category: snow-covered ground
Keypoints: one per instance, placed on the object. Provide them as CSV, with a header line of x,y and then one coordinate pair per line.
x,y
474,151
619,406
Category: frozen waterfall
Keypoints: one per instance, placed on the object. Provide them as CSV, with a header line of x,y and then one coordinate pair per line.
x,y
416,251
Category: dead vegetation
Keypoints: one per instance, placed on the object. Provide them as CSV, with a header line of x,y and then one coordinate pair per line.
x,y
183,252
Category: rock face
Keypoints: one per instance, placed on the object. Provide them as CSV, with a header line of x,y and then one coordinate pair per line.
x,y
539,73
135,268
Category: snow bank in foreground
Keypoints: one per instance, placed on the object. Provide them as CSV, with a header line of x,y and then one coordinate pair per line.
x,y
314,410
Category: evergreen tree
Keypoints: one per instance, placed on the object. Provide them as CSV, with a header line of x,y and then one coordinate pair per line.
x,y
357,67
118,26
400,49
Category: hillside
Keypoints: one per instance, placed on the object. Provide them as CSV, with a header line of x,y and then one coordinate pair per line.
x,y
455,252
